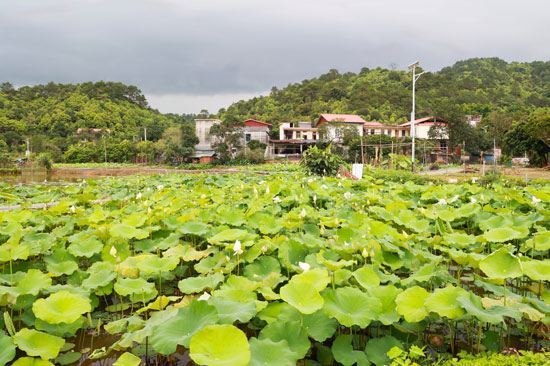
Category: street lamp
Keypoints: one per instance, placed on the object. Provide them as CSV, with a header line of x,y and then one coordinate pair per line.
x,y
413,129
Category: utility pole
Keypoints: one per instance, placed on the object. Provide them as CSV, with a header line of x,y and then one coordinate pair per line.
x,y
413,128
145,132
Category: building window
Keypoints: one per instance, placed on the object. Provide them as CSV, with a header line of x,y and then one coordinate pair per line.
x,y
372,132
403,133
247,137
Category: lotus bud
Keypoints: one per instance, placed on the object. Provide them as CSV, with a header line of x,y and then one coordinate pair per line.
x,y
255,192
160,187
203,196
237,247
302,213
324,187
227,258
276,199
267,190
264,249
442,202
138,196
364,253
314,199
304,266
536,200
473,200
322,231
339,184
118,259
73,209
346,244
113,251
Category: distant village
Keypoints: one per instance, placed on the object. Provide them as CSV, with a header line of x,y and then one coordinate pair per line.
x,y
296,137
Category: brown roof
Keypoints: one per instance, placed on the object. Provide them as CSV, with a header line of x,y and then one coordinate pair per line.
x,y
373,124
251,121
345,118
424,120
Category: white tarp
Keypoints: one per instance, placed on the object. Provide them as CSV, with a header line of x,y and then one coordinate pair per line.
x,y
357,170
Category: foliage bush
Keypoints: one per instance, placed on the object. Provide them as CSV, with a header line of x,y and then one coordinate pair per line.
x,y
45,160
524,358
321,162
256,144
249,156
400,176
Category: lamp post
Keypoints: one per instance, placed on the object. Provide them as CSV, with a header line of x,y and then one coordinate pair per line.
x,y
413,128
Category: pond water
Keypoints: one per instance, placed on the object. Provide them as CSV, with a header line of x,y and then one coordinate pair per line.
x,y
42,177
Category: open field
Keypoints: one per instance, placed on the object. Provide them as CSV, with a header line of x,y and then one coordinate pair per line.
x,y
244,269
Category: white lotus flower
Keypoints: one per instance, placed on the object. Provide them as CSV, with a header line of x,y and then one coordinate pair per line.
x,y
277,199
347,195
454,199
339,184
310,180
138,196
302,213
536,200
453,180
148,189
73,209
324,187
442,202
204,297
267,190
474,179
237,247
160,187
473,200
113,251
346,244
262,182
304,266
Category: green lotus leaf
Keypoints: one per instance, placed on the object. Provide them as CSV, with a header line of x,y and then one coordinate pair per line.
x,y
501,234
332,264
33,282
229,236
230,311
377,349
125,231
317,325
366,277
13,252
30,361
127,359
220,345
501,265
410,304
86,248
100,278
267,352
262,268
303,296
135,219
193,285
60,329
68,358
343,352
133,286
386,295
36,343
316,277
350,306
193,227
495,315
292,332
230,216
185,253
61,262
61,307
7,348
537,270
179,328
424,274
443,302
237,294
542,242
460,239
154,264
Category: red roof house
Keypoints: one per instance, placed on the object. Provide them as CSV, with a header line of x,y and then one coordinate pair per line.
x,y
341,118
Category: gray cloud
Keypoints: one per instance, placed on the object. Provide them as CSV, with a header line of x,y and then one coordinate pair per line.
x,y
208,47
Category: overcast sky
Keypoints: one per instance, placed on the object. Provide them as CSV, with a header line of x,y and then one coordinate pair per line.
x,y
186,55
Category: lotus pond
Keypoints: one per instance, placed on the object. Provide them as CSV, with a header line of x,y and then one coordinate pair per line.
x,y
282,269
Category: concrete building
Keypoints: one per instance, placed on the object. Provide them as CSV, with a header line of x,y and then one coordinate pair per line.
x,y
336,122
256,130
204,152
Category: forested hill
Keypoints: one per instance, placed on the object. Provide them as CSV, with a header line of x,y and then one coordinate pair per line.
x,y
474,86
55,111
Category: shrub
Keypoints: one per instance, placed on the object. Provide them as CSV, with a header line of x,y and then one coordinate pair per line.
x,y
321,162
249,156
255,144
44,160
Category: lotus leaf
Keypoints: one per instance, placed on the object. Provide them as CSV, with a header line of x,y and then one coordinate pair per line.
x,y
343,352
198,284
60,329
33,282
262,268
125,231
220,345
366,277
377,349
29,361
410,304
127,359
193,227
303,296
8,349
317,325
61,262
180,327
501,234
537,270
230,311
351,306
61,307
185,253
542,242
316,277
68,358
495,315
266,352
86,248
459,239
229,236
36,343
292,332
501,265
154,264
443,302
386,295
133,286
99,279
15,251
